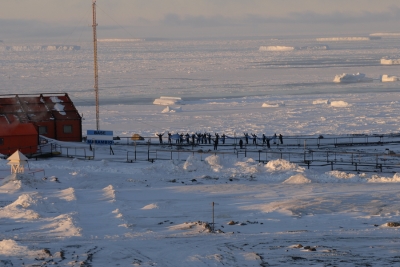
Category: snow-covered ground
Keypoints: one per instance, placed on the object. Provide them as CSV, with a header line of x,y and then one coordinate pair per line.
x,y
107,212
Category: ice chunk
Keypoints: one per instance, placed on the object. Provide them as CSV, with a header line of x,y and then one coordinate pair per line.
x,y
390,61
167,100
168,109
387,78
340,104
351,78
321,101
273,105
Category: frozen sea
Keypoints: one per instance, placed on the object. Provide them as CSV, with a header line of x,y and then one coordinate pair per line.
x,y
107,212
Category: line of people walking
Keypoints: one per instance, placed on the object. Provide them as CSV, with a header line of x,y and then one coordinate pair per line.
x,y
208,138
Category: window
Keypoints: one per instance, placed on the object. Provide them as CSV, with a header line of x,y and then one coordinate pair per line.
x,y
1,141
42,129
67,128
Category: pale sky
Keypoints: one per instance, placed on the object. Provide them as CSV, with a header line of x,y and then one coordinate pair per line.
x,y
30,19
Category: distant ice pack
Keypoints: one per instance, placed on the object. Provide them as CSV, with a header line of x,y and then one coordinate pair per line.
x,y
292,48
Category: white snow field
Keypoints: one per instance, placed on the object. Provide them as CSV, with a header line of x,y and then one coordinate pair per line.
x,y
106,209
347,39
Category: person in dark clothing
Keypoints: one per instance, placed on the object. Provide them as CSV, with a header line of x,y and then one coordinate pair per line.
x,y
268,144
187,138
281,139
160,137
246,136
169,138
215,143
264,138
181,138
193,138
209,138
241,143
254,139
198,138
223,136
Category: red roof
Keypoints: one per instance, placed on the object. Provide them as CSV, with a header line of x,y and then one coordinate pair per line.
x,y
26,108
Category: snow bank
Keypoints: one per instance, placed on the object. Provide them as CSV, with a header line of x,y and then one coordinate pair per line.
x,y
292,48
168,109
390,61
297,179
19,208
192,164
9,247
387,78
340,104
281,165
167,101
336,39
214,162
351,78
379,179
40,48
272,105
321,101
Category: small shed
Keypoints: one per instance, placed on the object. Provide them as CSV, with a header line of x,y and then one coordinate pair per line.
x,y
18,136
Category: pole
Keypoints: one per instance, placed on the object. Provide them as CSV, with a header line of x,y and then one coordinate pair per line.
x,y
96,74
213,217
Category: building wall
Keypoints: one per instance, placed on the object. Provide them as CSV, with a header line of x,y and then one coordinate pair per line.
x,y
76,133
21,136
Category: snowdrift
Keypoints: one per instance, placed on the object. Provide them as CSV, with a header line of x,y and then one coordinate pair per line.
x,y
389,61
388,78
41,48
292,48
167,101
336,39
351,78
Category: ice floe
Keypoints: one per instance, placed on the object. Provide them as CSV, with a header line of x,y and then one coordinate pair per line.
x,y
351,78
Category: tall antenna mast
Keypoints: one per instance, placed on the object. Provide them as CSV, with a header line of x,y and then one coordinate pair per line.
x,y
96,74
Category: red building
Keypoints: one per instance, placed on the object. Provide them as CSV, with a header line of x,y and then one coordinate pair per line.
x,y
53,115
22,136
